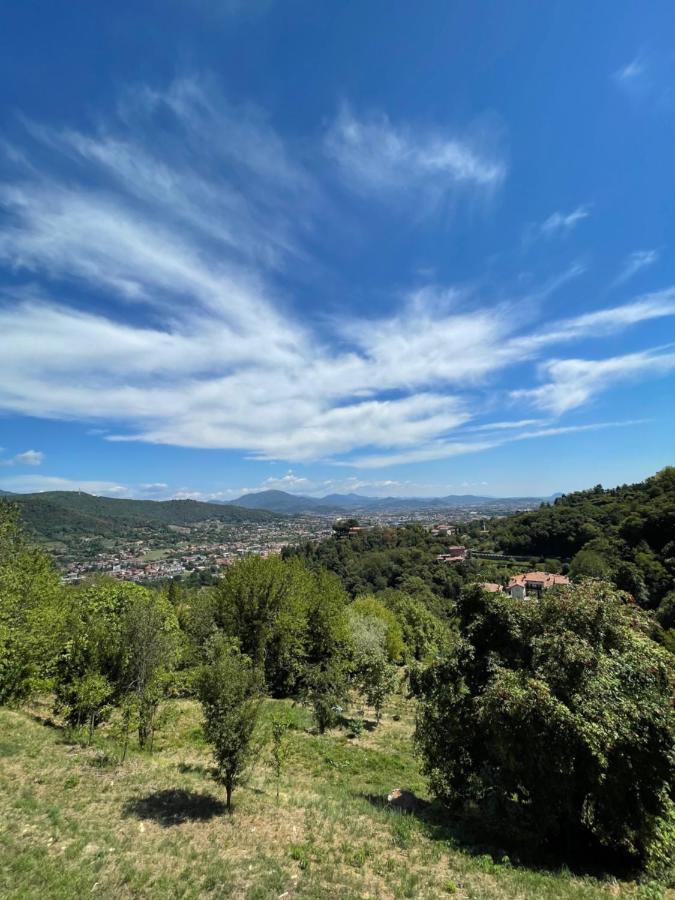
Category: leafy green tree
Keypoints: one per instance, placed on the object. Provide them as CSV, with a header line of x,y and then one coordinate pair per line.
x,y
32,612
287,618
629,578
326,690
588,564
263,603
229,689
373,674
665,613
95,625
369,606
91,693
424,634
150,642
554,721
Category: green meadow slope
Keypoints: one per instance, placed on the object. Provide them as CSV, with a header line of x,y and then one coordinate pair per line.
x,y
75,824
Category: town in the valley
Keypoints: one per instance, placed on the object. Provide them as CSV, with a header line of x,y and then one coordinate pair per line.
x,y
202,551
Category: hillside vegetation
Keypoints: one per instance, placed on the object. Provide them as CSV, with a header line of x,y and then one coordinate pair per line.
x,y
74,823
54,514
384,729
625,533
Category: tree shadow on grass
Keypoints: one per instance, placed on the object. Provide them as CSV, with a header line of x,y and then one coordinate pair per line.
x,y
175,807
194,768
467,836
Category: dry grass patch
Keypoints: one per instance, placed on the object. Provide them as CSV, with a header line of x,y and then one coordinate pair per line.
x,y
76,824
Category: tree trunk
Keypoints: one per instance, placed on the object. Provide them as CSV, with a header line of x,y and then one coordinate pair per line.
x,y
91,728
228,797
125,745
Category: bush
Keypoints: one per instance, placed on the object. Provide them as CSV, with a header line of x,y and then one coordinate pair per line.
x,y
553,719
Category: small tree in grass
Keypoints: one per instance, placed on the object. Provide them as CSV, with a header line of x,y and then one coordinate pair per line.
x,y
279,730
378,682
326,691
91,694
229,689
373,674
149,638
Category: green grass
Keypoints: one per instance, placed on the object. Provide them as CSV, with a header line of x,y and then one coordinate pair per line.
x,y
75,824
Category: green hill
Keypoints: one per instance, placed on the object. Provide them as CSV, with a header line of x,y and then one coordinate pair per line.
x,y
626,533
54,514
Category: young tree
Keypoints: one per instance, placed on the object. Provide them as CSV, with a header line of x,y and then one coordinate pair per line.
x,y
91,693
150,638
588,563
229,689
554,720
368,606
279,732
326,690
424,634
374,675
96,645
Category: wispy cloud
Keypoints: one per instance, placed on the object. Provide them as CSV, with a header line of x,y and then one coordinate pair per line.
x,y
28,484
639,259
27,458
647,79
198,346
445,449
557,224
572,383
632,70
376,156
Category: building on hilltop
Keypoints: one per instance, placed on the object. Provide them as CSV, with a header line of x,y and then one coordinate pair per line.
x,y
533,584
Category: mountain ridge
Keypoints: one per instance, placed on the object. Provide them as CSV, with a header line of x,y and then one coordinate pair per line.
x,y
294,504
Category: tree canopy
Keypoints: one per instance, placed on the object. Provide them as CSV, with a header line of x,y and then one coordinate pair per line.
x,y
552,718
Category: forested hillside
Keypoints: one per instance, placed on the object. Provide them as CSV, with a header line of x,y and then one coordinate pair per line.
x,y
379,558
625,533
54,514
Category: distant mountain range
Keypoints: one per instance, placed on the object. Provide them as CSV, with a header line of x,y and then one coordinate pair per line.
x,y
55,515
342,504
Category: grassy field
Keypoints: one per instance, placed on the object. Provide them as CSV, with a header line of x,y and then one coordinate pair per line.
x,y
73,823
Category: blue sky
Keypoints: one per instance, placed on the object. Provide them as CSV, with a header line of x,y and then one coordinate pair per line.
x,y
327,247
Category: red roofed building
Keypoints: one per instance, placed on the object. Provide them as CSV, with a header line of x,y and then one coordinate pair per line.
x,y
533,583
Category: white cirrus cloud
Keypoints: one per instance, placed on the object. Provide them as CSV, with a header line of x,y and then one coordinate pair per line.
x,y
557,224
632,70
572,383
639,259
446,449
176,244
376,156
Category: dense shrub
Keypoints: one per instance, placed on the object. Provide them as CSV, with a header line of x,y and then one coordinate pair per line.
x,y
553,720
